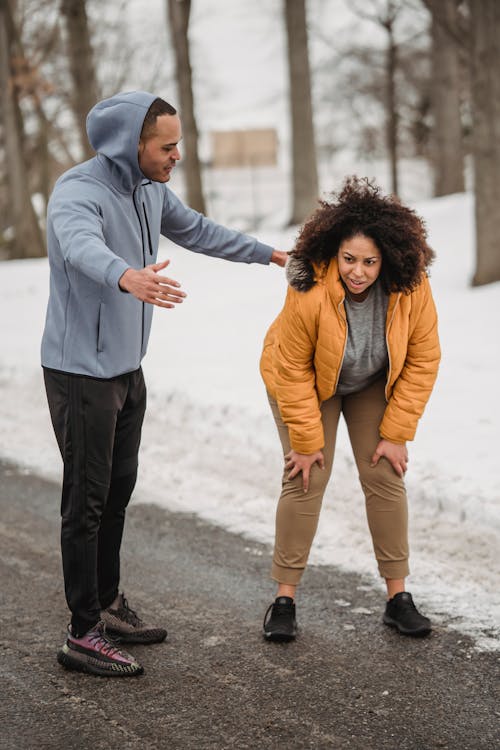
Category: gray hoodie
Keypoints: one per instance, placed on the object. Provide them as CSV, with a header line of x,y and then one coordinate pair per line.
x,y
104,217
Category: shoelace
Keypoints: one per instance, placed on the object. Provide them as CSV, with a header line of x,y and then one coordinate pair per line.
x,y
279,611
408,605
129,615
103,643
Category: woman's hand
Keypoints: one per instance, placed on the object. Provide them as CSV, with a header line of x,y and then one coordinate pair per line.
x,y
297,462
395,453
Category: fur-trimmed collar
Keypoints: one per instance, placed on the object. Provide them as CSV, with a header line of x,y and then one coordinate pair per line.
x,y
300,273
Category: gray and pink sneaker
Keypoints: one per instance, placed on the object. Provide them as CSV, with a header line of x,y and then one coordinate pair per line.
x,y
125,626
96,653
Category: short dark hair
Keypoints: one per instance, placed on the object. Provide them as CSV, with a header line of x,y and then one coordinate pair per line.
x,y
158,108
361,208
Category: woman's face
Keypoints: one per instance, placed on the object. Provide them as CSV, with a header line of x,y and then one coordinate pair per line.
x,y
360,263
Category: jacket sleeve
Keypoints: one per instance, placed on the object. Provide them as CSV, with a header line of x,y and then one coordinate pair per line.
x,y
195,232
294,377
78,226
414,384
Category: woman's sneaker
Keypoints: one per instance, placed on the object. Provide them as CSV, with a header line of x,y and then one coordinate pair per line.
x,y
279,620
97,654
126,626
401,613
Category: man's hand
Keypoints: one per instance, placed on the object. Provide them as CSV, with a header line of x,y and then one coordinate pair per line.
x,y
395,453
302,462
147,286
279,257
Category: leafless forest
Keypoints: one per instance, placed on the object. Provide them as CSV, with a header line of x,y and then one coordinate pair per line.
x,y
430,89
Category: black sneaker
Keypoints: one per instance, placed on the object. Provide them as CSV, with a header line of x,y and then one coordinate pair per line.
x,y
125,626
401,613
279,620
97,654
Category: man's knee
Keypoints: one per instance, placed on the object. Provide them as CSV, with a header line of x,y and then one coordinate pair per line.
x,y
120,491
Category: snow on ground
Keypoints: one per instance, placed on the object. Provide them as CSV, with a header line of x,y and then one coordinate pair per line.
x,y
210,445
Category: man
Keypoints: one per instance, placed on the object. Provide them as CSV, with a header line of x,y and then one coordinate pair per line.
x,y
105,218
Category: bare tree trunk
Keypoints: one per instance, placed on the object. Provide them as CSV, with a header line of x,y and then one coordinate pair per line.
x,y
485,34
392,113
447,151
304,167
28,239
81,64
178,13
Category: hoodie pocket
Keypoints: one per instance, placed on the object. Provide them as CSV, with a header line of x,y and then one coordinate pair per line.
x,y
100,328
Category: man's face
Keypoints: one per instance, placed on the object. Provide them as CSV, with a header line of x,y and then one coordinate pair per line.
x,y
159,153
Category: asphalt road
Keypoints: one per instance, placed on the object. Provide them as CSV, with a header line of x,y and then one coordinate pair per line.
x,y
347,682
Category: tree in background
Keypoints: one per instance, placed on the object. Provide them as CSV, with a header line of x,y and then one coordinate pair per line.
x,y
47,84
178,15
473,27
385,14
85,90
305,188
485,85
27,240
375,89
448,46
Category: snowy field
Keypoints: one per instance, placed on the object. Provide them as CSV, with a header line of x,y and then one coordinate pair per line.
x,y
209,442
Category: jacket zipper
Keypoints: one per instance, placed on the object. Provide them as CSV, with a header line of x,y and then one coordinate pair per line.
x,y
344,318
387,345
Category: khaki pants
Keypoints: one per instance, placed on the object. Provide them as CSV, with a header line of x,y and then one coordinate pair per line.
x,y
386,507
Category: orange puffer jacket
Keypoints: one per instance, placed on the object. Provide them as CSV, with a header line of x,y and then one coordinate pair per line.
x,y
304,349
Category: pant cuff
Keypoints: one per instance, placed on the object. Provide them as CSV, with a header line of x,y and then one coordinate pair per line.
x,y
394,569
289,576
80,627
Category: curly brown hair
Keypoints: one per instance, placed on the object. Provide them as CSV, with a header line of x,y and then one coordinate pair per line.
x,y
361,208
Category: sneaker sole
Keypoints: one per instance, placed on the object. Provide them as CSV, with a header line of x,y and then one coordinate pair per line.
x,y
279,637
144,638
80,665
421,633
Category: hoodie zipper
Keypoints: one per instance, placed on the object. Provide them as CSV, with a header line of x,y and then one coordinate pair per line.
x,y
148,230
140,225
143,256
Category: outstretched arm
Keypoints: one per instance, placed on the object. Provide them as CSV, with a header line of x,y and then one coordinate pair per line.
x,y
194,231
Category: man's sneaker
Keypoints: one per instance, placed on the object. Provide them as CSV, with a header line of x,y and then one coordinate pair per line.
x,y
97,654
279,620
401,613
126,626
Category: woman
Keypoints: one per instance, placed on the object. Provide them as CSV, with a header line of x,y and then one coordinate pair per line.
x,y
357,336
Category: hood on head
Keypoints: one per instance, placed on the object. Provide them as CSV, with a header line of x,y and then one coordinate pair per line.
x,y
114,127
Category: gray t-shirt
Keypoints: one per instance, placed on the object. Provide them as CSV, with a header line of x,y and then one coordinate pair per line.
x,y
365,358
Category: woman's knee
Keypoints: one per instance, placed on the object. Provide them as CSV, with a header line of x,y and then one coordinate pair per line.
x,y
381,480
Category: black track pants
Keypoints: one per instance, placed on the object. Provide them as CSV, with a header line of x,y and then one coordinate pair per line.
x,y
98,429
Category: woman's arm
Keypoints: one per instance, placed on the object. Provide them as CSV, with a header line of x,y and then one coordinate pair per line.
x,y
414,385
294,375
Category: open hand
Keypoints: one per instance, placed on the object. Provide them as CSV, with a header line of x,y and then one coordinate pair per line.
x,y
302,462
149,287
395,453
